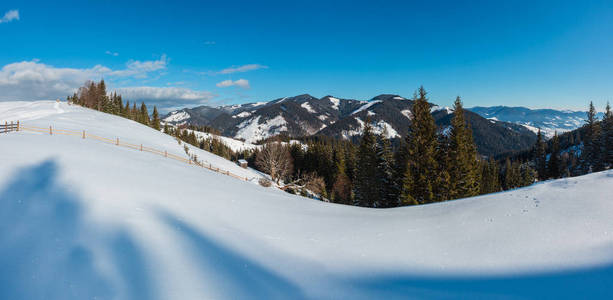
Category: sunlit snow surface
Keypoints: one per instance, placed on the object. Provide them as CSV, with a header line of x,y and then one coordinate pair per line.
x,y
87,220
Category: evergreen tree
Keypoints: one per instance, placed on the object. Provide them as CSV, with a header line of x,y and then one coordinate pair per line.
x,y
366,187
341,190
591,158
527,175
540,157
144,114
385,173
422,145
463,163
155,122
490,177
553,166
607,133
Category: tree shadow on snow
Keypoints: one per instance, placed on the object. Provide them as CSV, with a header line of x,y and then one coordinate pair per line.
x,y
595,283
236,276
42,253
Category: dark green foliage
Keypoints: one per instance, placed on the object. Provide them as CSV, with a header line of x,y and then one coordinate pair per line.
x,y
155,119
422,147
540,157
607,137
463,165
490,177
553,165
366,188
388,195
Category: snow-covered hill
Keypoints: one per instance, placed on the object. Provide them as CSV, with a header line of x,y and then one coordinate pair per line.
x,y
548,120
87,220
305,115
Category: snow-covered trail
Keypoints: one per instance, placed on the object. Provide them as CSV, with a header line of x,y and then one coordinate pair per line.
x,y
80,219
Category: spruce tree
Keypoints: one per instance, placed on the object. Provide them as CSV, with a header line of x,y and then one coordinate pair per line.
x,y
553,166
540,157
341,190
144,114
607,140
463,163
591,156
366,187
385,173
422,145
155,122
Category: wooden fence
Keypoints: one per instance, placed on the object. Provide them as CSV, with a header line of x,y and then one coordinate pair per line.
x,y
8,127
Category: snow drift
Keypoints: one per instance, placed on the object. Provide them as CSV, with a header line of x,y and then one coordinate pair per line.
x,y
81,219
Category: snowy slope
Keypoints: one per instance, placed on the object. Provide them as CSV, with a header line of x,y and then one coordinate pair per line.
x,y
82,220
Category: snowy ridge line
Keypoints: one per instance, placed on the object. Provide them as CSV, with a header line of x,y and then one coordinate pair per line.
x,y
117,142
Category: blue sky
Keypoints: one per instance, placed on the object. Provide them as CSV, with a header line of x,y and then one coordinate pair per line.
x,y
184,53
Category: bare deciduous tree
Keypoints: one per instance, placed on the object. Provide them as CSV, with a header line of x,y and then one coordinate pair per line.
x,y
275,159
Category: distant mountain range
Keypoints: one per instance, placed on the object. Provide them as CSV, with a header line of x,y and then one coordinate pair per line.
x,y
548,120
305,115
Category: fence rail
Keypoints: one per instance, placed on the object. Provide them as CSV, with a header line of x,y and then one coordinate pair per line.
x,y
9,127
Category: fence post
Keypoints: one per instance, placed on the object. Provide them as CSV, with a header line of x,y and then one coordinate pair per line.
x,y
141,147
11,128
117,143
165,153
83,134
17,125
50,131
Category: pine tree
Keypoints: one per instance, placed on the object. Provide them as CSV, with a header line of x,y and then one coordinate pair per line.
x,y
591,158
442,185
155,122
607,133
144,114
385,173
341,190
366,187
422,145
527,175
490,177
540,157
463,163
553,166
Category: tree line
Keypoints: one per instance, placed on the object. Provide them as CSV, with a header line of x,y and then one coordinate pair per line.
x,y
94,95
579,152
428,166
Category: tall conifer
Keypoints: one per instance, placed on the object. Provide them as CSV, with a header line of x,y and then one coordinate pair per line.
x,y
422,165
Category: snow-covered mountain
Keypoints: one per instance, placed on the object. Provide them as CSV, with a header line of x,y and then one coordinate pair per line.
x,y
306,115
81,219
548,120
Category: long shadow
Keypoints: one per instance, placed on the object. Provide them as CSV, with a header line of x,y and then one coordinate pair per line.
x,y
237,277
595,283
42,250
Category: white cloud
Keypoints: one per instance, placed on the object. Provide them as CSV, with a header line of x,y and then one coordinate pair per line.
x,y
242,83
33,80
111,53
244,68
166,98
139,69
9,16
210,43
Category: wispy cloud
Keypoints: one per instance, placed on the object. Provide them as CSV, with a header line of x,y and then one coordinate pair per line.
x,y
11,15
242,83
209,43
244,68
111,53
139,69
